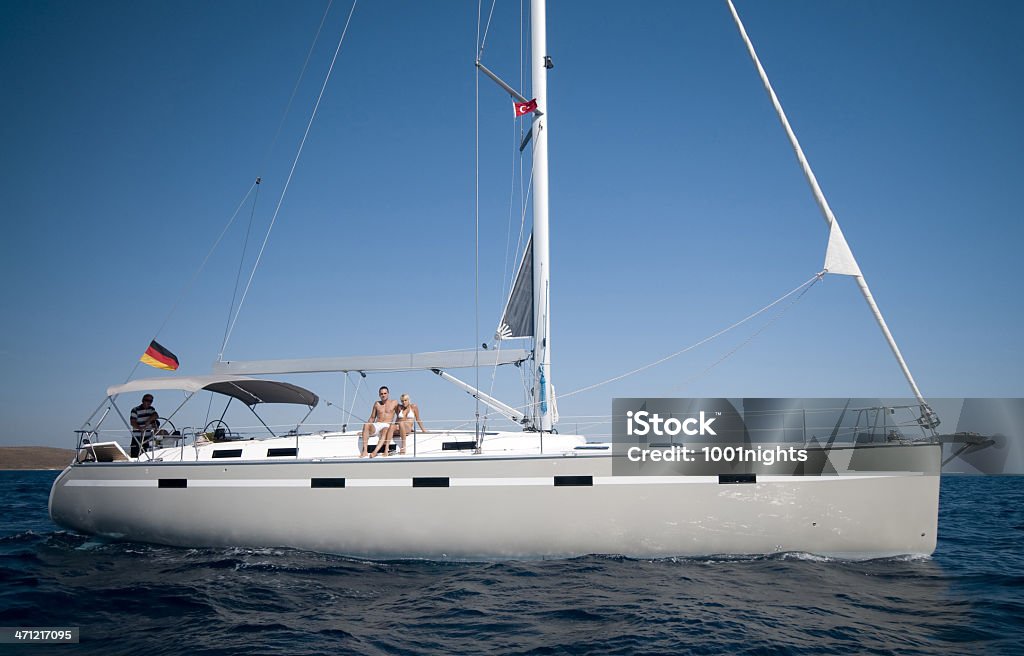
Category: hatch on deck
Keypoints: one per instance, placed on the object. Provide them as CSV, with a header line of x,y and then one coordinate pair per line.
x,y
102,452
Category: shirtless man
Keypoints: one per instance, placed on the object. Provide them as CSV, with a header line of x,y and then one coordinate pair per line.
x,y
381,416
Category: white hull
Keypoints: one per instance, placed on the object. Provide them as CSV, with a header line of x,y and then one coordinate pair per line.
x,y
504,507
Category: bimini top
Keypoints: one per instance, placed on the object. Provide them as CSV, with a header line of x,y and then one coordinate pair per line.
x,y
249,391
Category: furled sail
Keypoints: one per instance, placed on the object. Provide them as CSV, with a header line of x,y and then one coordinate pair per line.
x,y
517,319
838,257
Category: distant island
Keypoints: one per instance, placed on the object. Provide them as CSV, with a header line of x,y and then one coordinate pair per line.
x,y
34,457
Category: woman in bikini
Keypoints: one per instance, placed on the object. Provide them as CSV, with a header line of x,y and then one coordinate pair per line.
x,y
408,416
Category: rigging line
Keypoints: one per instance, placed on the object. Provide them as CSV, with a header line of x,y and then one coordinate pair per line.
x,y
188,286
238,276
494,375
233,216
205,260
506,282
476,202
523,39
340,407
291,173
266,157
522,217
586,428
522,84
526,204
523,62
760,330
506,274
811,281
355,396
344,401
482,43
295,89
522,7
209,407
132,372
522,225
524,196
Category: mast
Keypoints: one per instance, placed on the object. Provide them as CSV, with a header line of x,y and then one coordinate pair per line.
x,y
542,395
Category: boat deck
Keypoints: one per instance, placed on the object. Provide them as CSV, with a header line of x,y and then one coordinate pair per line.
x,y
345,445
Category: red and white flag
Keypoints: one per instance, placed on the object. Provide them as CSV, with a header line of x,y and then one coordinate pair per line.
x,y
522,109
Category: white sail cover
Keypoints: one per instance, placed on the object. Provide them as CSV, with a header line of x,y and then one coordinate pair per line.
x,y
838,257
517,319
364,363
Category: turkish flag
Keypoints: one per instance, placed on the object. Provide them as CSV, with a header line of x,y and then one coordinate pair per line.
x,y
522,109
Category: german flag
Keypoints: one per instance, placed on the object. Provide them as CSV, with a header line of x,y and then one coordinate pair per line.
x,y
159,357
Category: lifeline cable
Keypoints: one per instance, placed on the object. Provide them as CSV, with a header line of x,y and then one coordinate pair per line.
x,y
806,284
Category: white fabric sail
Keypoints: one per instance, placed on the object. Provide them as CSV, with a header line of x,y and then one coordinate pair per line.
x,y
517,319
838,257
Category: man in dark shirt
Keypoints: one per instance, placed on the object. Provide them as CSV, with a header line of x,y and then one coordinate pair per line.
x,y
145,420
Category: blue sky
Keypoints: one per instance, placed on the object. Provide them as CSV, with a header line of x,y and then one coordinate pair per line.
x,y
131,131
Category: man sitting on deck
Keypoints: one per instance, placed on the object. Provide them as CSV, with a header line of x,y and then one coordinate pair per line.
x,y
381,416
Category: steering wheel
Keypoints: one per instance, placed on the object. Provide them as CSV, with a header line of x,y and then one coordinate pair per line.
x,y
165,428
218,426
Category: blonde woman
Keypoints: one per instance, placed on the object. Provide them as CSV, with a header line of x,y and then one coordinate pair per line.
x,y
408,417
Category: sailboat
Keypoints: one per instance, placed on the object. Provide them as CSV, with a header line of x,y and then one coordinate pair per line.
x,y
528,493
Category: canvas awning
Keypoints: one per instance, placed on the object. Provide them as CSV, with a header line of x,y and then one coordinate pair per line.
x,y
249,391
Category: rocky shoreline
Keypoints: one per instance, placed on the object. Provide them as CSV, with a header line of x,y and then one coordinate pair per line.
x,y
34,457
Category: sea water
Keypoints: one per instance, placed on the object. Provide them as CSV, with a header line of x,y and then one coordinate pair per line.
x,y
129,598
